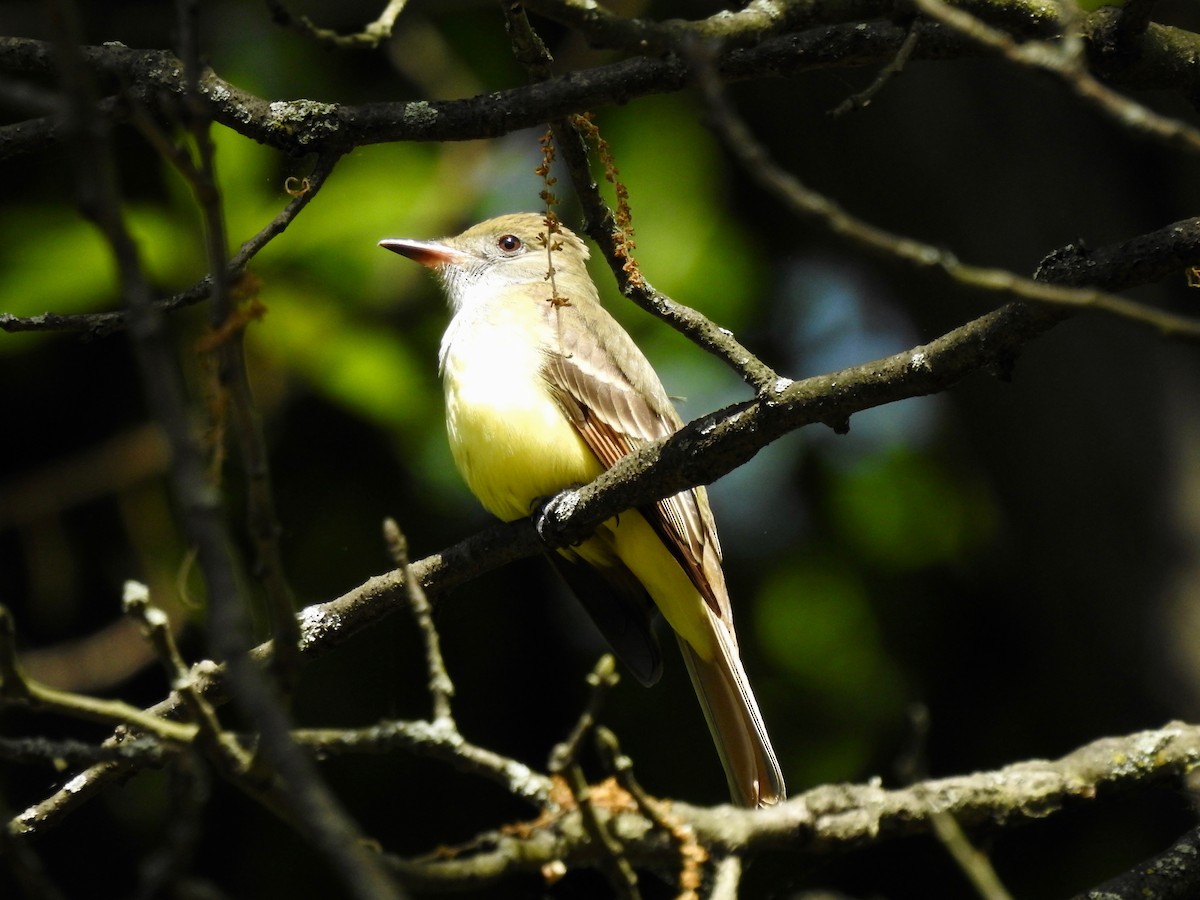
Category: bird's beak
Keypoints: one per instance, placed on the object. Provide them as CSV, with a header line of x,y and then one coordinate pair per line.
x,y
428,253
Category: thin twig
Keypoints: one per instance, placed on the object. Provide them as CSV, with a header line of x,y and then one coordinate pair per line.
x,y
601,225
528,48
974,863
372,35
601,679
623,243
809,204
33,880
437,740
895,66
614,862
1068,62
141,750
102,324
692,854
535,58
756,20
295,783
317,812
226,342
157,630
564,762
16,688
441,688
614,232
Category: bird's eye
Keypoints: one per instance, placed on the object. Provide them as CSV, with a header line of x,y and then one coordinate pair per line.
x,y
509,243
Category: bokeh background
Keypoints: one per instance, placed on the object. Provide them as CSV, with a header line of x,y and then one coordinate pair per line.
x,y
1017,557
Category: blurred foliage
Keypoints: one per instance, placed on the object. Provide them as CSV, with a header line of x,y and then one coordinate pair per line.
x,y
972,552
904,510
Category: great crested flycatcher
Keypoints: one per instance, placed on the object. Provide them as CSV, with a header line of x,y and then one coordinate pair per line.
x,y
544,391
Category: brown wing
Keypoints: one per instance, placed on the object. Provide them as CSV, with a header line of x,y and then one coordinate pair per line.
x,y
614,398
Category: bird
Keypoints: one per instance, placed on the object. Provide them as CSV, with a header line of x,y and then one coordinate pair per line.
x,y
545,391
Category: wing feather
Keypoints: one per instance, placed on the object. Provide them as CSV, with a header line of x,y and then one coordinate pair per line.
x,y
614,398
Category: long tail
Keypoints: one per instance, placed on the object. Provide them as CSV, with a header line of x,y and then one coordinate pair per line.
x,y
735,722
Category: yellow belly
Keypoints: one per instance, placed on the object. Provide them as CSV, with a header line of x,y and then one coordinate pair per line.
x,y
510,440
515,447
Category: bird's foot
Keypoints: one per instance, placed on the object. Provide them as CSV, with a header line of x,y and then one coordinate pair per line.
x,y
549,513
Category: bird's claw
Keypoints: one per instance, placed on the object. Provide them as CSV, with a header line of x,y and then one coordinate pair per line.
x,y
549,513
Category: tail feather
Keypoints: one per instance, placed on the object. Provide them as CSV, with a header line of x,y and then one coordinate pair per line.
x,y
735,722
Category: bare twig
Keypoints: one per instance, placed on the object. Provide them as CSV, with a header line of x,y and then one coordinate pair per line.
x,y
602,679
102,324
30,874
441,688
437,740
692,854
157,629
973,862
227,330
528,48
142,751
727,878
299,789
614,861
809,204
975,865
757,20
1067,62
564,762
601,225
317,813
374,34
622,767
16,688
1162,60
895,66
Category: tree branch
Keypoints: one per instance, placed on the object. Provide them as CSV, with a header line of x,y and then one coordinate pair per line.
x,y
1159,58
1173,874
828,819
808,204
97,325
